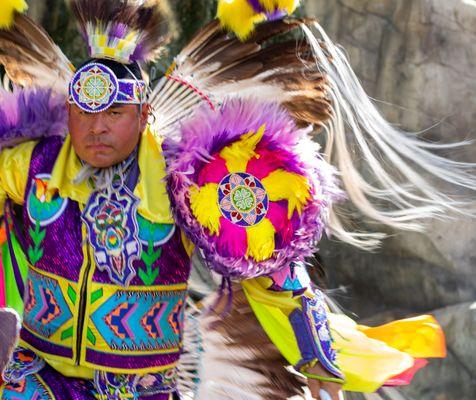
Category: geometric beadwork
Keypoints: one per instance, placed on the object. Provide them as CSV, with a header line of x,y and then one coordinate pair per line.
x,y
242,199
138,320
94,87
46,309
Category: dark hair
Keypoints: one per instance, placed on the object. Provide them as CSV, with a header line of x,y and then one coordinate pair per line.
x,y
119,69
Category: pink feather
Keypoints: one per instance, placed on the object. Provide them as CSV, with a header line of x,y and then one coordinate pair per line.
x,y
278,215
232,240
213,172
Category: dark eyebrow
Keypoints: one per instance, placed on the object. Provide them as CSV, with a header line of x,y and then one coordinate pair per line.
x,y
116,106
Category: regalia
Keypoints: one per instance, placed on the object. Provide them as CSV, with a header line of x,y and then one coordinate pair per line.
x,y
229,173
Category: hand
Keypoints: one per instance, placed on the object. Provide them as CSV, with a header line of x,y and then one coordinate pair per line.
x,y
332,388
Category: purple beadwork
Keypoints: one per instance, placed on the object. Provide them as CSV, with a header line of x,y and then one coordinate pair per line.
x,y
313,335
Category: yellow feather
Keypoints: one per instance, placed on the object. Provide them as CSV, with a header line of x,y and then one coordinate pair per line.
x,y
239,153
261,240
204,205
284,185
288,5
8,9
239,17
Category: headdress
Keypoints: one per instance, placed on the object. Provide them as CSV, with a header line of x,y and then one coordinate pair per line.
x,y
126,32
241,16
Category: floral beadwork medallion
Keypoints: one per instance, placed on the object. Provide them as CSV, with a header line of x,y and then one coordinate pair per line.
x,y
94,87
242,199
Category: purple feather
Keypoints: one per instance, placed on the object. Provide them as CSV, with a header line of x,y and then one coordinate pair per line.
x,y
29,114
209,131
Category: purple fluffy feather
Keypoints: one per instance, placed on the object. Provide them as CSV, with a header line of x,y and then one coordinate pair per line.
x,y
29,114
206,133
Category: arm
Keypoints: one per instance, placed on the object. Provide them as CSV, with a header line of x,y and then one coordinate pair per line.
x,y
294,315
14,165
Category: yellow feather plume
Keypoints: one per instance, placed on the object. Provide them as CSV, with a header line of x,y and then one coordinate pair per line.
x,y
288,5
240,17
261,240
239,153
284,185
8,9
204,205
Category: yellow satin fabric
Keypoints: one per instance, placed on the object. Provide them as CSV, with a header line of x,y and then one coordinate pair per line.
x,y
368,357
14,164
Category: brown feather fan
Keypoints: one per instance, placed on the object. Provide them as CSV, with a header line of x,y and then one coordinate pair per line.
x,y
31,58
238,361
215,66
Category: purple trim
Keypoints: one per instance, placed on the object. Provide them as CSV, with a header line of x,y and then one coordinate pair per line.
x,y
45,346
130,362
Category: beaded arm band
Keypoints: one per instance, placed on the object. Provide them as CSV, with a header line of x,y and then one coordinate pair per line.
x,y
314,340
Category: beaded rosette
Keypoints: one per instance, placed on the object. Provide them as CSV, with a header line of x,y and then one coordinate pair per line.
x,y
259,194
95,88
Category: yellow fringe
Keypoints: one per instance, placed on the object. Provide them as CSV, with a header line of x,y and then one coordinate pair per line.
x,y
261,240
239,153
204,205
8,9
284,185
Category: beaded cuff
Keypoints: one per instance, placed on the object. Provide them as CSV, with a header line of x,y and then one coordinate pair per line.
x,y
313,336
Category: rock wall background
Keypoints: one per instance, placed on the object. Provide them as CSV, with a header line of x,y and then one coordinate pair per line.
x,y
418,58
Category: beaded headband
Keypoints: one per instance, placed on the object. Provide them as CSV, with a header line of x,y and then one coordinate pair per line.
x,y
95,87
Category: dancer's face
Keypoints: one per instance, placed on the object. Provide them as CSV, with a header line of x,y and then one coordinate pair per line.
x,y
108,137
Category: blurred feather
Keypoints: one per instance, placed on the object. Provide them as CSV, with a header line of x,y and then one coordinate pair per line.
x,y
29,114
238,360
31,58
